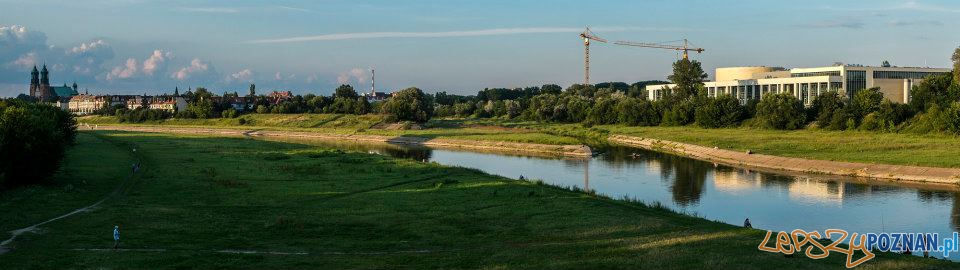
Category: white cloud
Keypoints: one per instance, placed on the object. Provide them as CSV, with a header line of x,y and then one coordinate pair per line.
x,y
357,75
245,75
26,61
127,71
468,33
196,67
156,61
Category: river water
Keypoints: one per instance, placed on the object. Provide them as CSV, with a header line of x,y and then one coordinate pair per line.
x,y
777,202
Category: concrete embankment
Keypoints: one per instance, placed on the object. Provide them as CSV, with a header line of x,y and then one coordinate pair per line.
x,y
760,161
540,149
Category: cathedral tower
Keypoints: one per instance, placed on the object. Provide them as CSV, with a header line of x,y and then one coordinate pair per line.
x,y
35,82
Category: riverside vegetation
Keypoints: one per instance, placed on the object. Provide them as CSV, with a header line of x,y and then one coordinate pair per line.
x,y
209,202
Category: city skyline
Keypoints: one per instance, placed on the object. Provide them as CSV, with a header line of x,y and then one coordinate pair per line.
x,y
457,46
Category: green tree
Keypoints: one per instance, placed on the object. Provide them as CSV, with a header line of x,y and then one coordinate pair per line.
x,y
936,89
688,77
409,104
824,107
551,89
362,106
865,102
603,112
722,111
956,65
33,140
253,90
780,111
345,91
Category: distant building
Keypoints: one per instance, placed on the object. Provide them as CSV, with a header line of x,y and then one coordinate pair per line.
x,y
279,96
376,96
40,87
169,104
746,83
87,104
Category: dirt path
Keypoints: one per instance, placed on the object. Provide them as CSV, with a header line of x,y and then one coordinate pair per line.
x,y
34,228
899,173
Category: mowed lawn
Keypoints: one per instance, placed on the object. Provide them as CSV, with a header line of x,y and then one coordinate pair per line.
x,y
934,150
207,202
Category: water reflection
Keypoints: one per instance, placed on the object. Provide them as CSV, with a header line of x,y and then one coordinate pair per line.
x,y
718,192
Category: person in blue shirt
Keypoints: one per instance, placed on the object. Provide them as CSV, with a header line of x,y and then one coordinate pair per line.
x,y
116,237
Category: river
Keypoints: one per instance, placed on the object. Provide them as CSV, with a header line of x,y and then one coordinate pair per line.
x,y
777,202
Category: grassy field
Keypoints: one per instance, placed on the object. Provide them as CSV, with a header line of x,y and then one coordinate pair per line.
x,y
206,202
353,124
855,146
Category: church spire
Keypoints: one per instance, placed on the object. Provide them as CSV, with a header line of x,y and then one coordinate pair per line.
x,y
44,75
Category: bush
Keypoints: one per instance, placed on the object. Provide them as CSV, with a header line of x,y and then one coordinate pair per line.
x,y
824,107
229,113
722,111
680,114
780,111
33,141
409,105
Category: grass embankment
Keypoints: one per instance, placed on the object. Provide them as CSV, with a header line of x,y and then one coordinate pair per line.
x,y
932,150
199,198
354,124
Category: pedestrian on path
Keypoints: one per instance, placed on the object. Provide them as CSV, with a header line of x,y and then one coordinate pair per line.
x,y
116,237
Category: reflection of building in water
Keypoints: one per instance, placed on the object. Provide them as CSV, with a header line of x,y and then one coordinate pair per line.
x,y
819,191
733,181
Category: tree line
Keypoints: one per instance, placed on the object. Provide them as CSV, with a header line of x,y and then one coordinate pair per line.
x,y
932,107
33,141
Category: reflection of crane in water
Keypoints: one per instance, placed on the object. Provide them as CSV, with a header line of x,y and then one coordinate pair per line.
x,y
586,175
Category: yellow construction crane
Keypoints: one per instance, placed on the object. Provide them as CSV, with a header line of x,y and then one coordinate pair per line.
x,y
588,35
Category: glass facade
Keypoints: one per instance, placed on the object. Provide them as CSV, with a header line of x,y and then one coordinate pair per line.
x,y
901,74
812,74
856,81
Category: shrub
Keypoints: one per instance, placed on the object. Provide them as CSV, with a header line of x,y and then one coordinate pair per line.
x,y
722,111
780,111
409,105
33,141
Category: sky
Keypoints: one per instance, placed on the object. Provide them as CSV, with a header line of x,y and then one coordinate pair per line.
x,y
146,46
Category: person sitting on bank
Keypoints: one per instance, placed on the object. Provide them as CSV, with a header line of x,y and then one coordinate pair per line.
x,y
746,224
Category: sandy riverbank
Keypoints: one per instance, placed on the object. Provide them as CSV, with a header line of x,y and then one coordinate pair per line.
x,y
743,159
539,149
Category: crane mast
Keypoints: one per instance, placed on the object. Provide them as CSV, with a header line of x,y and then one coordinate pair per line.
x,y
587,36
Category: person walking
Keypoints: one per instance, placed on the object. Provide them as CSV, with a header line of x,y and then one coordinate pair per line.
x,y
116,237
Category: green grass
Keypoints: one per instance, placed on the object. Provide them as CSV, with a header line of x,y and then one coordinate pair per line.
x,y
198,195
854,146
353,124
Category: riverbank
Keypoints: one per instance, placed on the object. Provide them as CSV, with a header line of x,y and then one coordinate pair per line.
x,y
205,201
577,151
922,159
918,174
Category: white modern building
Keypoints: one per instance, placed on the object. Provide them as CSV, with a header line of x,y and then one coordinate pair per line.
x,y
746,83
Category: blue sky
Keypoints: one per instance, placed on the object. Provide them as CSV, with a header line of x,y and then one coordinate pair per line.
x,y
136,46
